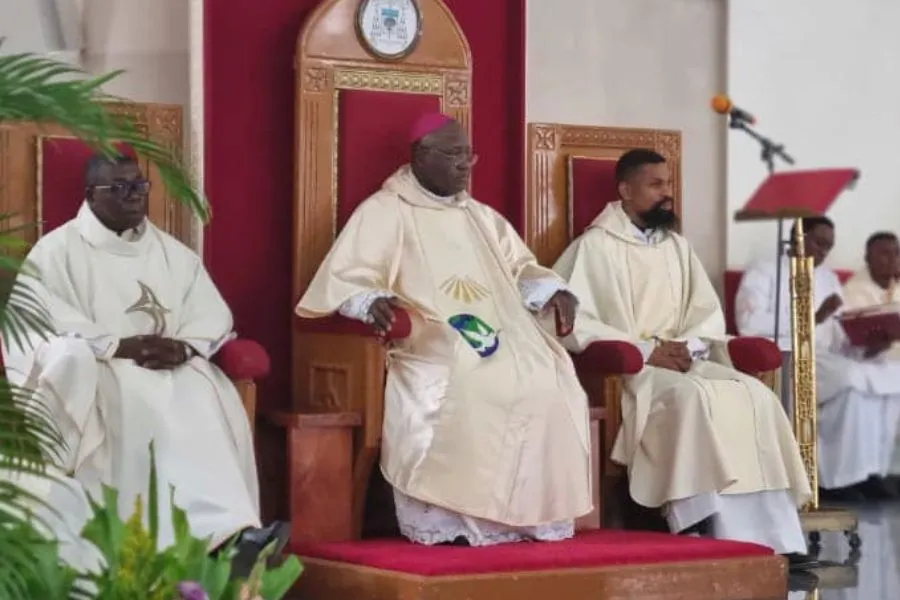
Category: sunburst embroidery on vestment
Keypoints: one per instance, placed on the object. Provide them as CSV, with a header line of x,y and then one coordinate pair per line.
x,y
464,289
150,305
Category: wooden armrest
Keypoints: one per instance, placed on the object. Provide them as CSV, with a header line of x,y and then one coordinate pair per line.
x,y
293,420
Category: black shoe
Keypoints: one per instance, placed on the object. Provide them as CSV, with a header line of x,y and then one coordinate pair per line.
x,y
702,528
876,488
251,542
844,494
457,541
800,562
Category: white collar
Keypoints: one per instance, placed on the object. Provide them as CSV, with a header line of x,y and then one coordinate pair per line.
x,y
436,197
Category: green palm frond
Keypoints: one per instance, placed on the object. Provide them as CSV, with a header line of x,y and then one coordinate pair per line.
x,y
24,319
42,90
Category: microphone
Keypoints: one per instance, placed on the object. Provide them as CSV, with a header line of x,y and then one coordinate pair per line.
x,y
723,105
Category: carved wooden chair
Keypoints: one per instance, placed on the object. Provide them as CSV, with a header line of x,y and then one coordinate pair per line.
x,y
570,178
42,185
353,114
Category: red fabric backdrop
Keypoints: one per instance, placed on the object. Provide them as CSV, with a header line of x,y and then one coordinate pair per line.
x,y
250,149
373,133
62,178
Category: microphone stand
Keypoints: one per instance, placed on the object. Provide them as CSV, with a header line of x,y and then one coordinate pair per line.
x,y
770,151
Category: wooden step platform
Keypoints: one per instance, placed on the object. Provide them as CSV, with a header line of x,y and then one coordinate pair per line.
x,y
596,565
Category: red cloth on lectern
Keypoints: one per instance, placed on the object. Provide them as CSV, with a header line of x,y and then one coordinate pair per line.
x,y
797,194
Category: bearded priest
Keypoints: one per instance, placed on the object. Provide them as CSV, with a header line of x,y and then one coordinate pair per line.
x,y
486,435
709,445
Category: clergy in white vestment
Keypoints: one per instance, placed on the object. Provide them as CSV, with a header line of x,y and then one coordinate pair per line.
x,y
857,389
711,446
877,283
485,436
136,319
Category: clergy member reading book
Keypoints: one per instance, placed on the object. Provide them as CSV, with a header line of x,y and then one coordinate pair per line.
x,y
877,283
708,444
485,427
138,318
858,391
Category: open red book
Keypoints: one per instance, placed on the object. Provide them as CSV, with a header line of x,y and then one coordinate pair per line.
x,y
864,324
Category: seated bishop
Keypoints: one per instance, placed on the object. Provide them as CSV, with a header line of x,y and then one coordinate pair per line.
x,y
485,436
136,319
711,446
857,389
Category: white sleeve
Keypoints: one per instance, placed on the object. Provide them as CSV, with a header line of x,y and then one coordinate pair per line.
x,y
754,304
537,292
103,347
357,307
646,348
698,348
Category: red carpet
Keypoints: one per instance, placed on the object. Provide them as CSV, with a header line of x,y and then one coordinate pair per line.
x,y
589,549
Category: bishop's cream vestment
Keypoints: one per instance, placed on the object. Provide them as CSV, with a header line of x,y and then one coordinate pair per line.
x,y
711,442
485,425
858,398
100,288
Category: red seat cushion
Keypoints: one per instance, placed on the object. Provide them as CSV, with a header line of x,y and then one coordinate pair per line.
x,y
590,549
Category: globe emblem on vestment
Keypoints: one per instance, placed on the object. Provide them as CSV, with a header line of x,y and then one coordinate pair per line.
x,y
478,334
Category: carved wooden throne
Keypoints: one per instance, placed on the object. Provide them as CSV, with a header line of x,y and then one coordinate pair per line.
x,y
42,186
570,179
353,115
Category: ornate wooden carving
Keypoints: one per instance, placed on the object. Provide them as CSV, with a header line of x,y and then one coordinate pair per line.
x,y
547,209
330,58
20,162
343,373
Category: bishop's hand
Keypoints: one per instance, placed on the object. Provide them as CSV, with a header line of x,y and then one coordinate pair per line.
x,y
382,315
153,351
564,304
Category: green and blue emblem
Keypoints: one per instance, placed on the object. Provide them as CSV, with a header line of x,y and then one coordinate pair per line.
x,y
478,334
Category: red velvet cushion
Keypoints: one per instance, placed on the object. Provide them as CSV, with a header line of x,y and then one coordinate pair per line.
x,y
589,549
243,359
336,324
609,358
62,178
592,185
753,355
733,282
373,135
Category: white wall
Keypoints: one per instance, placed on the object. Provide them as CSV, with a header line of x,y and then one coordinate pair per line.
x,y
640,63
158,43
823,77
38,26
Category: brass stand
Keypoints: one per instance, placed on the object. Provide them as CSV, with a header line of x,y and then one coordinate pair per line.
x,y
814,519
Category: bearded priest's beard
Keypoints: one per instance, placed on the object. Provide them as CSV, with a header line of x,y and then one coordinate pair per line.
x,y
660,217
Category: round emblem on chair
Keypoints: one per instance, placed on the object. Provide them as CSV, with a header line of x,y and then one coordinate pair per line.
x,y
389,29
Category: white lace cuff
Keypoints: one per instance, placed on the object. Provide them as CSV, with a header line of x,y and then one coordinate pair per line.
x,y
698,348
646,348
537,292
358,306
